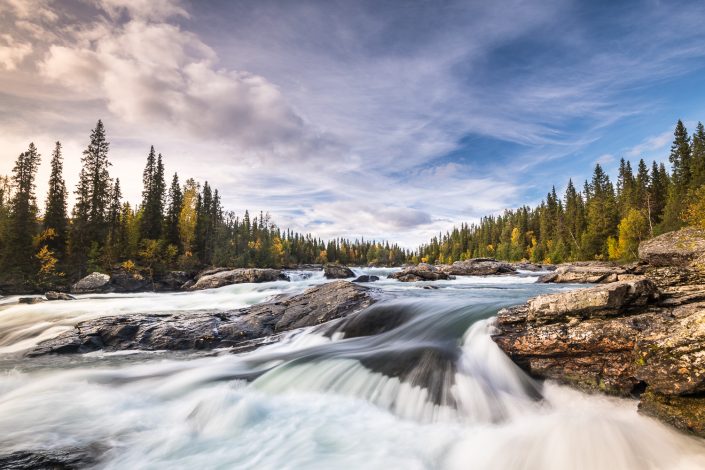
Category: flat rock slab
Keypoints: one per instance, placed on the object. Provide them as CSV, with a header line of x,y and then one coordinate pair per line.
x,y
421,272
336,271
208,330
478,267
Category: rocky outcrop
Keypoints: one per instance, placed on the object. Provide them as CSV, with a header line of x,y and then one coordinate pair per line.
x,y
122,280
53,295
643,336
421,272
30,300
92,284
207,330
478,267
590,273
224,277
171,281
336,271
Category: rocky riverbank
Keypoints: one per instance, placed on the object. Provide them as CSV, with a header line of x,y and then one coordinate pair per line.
x,y
640,332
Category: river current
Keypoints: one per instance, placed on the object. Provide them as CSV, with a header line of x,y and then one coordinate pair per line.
x,y
429,390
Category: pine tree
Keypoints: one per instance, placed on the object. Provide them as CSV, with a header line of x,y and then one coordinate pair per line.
x,y
20,257
698,157
56,213
602,214
89,229
173,213
153,195
680,157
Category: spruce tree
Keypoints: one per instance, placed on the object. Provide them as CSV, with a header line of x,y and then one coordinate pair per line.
x,y
89,228
153,194
173,213
20,260
698,157
55,216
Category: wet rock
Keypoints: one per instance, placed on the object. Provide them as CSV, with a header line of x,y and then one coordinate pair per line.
x,y
421,272
366,278
92,284
53,295
30,300
220,278
478,267
336,271
50,459
207,330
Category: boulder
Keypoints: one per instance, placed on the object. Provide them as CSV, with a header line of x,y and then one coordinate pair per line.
x,y
222,278
592,273
53,295
478,267
30,300
126,281
366,278
245,328
92,284
421,272
172,280
533,267
336,271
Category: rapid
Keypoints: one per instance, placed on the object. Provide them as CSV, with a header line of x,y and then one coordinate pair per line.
x,y
428,389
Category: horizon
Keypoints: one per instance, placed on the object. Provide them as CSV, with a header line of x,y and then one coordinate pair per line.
x,y
345,120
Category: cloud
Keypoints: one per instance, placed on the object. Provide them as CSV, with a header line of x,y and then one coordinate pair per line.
x,y
657,143
12,52
144,9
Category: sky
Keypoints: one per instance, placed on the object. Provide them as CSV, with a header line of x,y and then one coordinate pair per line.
x,y
389,120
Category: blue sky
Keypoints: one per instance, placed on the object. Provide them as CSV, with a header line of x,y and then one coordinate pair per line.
x,y
384,119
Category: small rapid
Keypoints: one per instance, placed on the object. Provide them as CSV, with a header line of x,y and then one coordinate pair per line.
x,y
414,381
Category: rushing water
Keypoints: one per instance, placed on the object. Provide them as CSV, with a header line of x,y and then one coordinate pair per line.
x,y
429,390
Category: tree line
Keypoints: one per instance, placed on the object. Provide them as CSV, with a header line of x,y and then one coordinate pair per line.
x,y
176,226
603,221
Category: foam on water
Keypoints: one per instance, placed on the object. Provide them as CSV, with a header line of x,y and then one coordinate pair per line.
x,y
322,399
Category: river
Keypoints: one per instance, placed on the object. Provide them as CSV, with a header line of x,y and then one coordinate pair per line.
x,y
430,390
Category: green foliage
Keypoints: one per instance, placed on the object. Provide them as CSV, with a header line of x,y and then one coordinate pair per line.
x,y
695,212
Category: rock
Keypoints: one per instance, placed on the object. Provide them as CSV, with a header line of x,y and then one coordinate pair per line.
x,y
172,280
533,267
643,335
571,336
125,281
421,272
686,413
605,300
478,267
30,300
593,273
92,284
679,248
51,459
366,278
207,330
222,278
336,271
53,295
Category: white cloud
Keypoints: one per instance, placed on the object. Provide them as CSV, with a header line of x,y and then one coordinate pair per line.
x,y
12,52
144,9
651,145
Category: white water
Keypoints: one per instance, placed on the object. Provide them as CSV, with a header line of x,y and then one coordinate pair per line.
x,y
319,401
